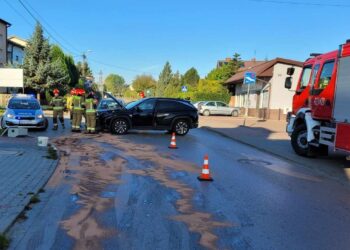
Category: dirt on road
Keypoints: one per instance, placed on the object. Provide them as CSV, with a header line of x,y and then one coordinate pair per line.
x,y
88,159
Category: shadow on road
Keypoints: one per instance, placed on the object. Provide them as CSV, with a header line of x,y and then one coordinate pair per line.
x,y
278,143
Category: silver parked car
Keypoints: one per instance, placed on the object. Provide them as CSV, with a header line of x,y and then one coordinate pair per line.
x,y
217,108
197,104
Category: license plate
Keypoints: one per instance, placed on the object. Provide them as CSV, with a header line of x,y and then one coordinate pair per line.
x,y
27,122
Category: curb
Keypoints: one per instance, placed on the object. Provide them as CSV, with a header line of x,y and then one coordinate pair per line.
x,y
36,192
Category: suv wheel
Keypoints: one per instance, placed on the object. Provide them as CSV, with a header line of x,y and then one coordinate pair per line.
x,y
181,127
234,113
206,113
119,126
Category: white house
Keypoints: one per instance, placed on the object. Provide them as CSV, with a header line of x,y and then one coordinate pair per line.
x,y
15,50
268,98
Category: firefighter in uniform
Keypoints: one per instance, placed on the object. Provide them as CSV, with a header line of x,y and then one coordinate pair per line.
x,y
90,113
58,104
77,110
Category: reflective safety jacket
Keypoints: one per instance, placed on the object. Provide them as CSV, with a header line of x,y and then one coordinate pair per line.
x,y
58,103
90,106
77,103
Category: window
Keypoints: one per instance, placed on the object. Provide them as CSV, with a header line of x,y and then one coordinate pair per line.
x,y
108,104
305,77
326,74
221,104
24,104
147,105
164,106
314,74
212,104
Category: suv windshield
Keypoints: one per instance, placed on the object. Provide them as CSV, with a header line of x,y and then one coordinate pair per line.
x,y
133,104
24,104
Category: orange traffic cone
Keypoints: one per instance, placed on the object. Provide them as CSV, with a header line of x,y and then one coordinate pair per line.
x,y
173,142
205,176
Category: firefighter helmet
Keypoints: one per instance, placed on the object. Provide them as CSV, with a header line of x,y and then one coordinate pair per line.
x,y
56,91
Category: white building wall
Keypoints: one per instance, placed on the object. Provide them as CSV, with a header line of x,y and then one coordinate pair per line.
x,y
280,97
18,55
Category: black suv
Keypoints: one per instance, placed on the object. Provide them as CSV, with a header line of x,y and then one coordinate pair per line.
x,y
174,115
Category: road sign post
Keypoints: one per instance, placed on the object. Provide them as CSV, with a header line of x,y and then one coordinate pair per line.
x,y
249,78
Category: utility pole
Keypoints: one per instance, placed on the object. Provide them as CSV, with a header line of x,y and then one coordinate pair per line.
x,y
100,77
84,64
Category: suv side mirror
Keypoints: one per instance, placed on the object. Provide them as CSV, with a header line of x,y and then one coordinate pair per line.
x,y
288,82
290,71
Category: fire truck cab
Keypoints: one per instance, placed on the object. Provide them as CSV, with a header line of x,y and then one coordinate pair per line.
x,y
321,104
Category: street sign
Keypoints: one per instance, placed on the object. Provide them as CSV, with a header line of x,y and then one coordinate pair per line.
x,y
184,89
249,78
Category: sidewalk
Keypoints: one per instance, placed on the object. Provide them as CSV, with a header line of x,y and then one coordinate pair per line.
x,y
270,136
24,170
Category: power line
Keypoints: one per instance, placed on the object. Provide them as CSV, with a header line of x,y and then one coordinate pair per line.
x,y
18,13
48,32
67,49
336,5
117,67
48,25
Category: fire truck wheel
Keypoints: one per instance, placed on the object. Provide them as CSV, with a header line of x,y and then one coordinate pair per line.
x,y
299,140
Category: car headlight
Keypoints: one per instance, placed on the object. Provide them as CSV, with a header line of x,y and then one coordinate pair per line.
x,y
10,116
40,116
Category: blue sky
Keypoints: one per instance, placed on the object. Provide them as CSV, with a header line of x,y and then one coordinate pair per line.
x,y
133,37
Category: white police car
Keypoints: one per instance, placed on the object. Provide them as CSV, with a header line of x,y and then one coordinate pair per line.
x,y
24,111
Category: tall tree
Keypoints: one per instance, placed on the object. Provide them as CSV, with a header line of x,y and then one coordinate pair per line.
x,y
164,79
73,71
36,66
226,71
84,69
59,74
174,87
115,83
143,83
191,77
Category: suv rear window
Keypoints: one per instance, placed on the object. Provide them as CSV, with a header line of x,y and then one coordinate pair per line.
x,y
172,106
23,104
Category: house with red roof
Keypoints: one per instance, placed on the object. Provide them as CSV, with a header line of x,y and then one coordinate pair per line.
x,y
268,99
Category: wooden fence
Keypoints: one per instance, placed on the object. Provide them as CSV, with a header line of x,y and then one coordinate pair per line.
x,y
4,99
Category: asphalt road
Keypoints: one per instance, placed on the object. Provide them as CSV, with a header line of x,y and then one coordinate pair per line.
x,y
132,192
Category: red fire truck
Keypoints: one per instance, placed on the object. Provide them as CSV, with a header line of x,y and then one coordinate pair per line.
x,y
321,104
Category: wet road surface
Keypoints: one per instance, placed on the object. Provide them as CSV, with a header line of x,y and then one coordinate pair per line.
x,y
132,192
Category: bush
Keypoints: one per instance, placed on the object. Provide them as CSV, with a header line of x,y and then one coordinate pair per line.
x,y
4,242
